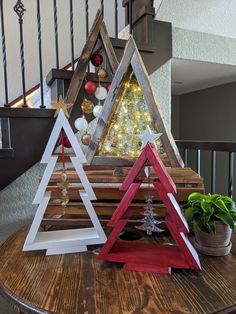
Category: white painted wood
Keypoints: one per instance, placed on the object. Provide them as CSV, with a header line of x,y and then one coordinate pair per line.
x,y
149,137
60,123
191,249
83,178
66,250
45,179
72,240
37,221
49,240
94,218
65,238
178,210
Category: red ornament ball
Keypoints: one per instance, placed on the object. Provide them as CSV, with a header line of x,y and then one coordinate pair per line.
x,y
108,86
66,142
97,59
90,87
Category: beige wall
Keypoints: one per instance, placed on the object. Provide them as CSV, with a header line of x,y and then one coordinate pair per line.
x,y
209,115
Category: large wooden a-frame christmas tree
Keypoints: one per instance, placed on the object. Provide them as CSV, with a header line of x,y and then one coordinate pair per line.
x,y
150,257
67,240
129,107
98,35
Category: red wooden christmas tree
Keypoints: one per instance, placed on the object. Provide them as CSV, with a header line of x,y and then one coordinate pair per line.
x,y
150,257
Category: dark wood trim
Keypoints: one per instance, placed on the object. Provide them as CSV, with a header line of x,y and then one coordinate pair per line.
x,y
55,74
142,47
5,128
30,91
6,153
26,113
231,309
208,145
145,10
22,306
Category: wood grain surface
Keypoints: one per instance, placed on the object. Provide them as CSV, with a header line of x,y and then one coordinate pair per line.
x,y
78,284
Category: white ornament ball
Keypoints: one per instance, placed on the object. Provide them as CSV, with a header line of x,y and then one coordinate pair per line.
x,y
97,110
81,124
101,93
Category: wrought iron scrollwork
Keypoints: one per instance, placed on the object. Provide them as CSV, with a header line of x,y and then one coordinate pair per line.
x,y
19,8
20,11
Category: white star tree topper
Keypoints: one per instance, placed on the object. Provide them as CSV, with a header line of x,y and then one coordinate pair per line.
x,y
149,137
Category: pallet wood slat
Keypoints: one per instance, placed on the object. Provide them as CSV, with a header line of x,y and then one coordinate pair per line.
x,y
102,174
105,209
112,193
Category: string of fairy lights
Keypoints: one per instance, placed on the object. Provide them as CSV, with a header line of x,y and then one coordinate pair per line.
x,y
131,117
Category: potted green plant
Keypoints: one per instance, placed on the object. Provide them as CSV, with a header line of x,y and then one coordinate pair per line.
x,y
213,218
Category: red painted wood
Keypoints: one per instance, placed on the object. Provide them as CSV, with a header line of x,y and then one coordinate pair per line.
x,y
122,211
139,255
160,169
149,154
111,240
172,207
149,254
134,171
147,268
181,240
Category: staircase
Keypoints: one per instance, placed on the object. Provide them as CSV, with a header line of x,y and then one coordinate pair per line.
x,y
28,129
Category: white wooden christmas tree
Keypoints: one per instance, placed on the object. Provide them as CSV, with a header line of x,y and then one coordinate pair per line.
x,y
71,240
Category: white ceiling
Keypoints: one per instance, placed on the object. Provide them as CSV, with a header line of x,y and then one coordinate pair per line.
x,y
188,76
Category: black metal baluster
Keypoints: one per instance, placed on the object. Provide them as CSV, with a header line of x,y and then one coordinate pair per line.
x,y
116,18
102,6
20,10
186,157
231,174
87,23
213,172
87,18
130,17
56,32
198,161
72,35
4,55
40,54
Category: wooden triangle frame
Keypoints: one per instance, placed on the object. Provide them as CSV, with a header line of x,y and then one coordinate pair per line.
x,y
62,122
64,241
133,58
98,30
71,240
150,257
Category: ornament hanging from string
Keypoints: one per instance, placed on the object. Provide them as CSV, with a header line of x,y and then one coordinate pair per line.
x,y
64,184
97,59
90,88
97,110
87,106
149,222
81,124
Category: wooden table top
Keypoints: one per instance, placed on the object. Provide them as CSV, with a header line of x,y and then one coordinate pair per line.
x,y
79,284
